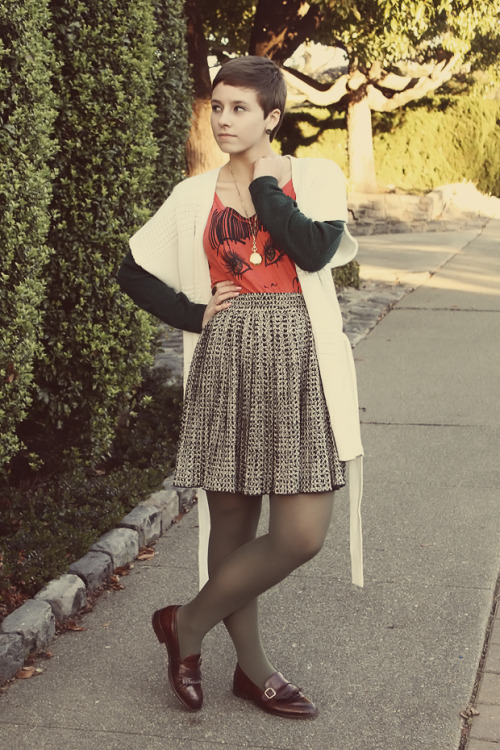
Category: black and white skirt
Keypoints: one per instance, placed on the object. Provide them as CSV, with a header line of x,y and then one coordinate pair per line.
x,y
255,420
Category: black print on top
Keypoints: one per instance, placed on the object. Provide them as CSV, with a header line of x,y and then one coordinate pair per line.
x,y
271,254
228,227
228,224
233,262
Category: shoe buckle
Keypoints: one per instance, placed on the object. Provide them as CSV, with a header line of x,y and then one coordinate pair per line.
x,y
269,693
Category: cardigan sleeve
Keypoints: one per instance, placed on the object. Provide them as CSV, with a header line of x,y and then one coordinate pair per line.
x,y
159,299
310,244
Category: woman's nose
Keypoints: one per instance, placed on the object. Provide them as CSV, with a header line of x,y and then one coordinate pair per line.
x,y
224,117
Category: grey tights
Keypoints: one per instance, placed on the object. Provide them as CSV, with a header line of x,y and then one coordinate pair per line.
x,y
241,567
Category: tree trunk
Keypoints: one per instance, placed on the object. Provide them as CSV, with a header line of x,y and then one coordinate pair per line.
x,y
360,145
202,153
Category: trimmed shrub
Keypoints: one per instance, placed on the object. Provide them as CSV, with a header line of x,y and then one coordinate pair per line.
x,y
443,140
347,275
46,525
26,117
172,98
428,143
96,341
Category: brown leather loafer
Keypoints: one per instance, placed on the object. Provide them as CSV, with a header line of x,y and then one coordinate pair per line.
x,y
184,675
280,697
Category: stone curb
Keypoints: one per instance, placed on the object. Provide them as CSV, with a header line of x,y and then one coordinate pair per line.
x,y
32,626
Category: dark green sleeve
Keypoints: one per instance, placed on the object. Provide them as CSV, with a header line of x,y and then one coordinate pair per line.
x,y
159,299
310,244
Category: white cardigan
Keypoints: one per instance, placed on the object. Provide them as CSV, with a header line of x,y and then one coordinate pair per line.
x,y
170,246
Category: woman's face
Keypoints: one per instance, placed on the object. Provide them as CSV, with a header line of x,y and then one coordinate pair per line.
x,y
238,121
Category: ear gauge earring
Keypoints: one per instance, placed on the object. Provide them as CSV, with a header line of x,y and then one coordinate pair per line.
x,y
269,131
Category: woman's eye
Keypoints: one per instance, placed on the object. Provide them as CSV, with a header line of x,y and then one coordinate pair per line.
x,y
215,108
239,108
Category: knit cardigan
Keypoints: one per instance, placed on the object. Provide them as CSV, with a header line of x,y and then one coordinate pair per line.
x,y
170,246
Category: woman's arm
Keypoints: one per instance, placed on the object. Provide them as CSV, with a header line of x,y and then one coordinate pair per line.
x,y
159,299
310,244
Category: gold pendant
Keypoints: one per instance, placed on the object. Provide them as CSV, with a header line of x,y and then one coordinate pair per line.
x,y
255,259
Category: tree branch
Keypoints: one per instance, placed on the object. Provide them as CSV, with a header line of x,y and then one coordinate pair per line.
x,y
416,89
279,28
303,88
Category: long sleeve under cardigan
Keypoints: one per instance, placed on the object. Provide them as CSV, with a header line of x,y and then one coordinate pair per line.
x,y
170,246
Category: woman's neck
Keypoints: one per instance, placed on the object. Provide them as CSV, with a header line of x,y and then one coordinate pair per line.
x,y
242,165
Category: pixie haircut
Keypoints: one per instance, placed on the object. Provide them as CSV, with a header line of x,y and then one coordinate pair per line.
x,y
260,74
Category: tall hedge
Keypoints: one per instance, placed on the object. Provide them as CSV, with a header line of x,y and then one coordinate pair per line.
x,y
95,340
26,117
172,98
428,143
445,139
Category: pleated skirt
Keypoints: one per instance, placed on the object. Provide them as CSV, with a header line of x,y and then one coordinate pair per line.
x,y
255,419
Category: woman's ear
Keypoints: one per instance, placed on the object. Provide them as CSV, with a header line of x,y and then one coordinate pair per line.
x,y
273,119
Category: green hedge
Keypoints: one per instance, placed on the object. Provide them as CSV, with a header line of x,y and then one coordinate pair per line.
x,y
47,525
428,143
95,340
123,111
172,98
26,117
445,139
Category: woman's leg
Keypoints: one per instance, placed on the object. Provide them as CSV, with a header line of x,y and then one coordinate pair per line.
x,y
297,528
233,522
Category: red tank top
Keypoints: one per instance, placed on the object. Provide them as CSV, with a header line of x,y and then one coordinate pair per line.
x,y
228,244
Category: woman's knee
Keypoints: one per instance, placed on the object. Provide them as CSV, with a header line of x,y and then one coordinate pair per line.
x,y
308,543
302,528
298,544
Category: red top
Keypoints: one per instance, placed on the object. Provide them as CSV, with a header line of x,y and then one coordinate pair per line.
x,y
228,244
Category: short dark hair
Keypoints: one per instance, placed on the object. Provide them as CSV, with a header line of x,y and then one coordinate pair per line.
x,y
260,74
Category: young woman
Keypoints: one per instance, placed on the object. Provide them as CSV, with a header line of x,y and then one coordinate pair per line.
x,y
242,255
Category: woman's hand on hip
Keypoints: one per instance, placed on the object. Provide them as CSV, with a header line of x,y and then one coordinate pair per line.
x,y
222,294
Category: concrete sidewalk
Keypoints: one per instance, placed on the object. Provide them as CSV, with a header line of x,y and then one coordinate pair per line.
x,y
390,666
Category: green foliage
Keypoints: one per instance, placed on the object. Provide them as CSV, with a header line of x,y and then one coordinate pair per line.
x,y
26,117
315,131
446,140
228,24
50,522
95,340
370,30
70,339
347,275
148,437
430,143
390,31
172,98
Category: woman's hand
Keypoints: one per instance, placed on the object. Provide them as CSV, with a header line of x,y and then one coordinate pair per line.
x,y
222,294
271,166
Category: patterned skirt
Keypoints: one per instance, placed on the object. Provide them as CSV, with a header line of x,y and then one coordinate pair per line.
x,y
255,420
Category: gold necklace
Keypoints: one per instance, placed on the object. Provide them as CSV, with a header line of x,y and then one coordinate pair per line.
x,y
255,256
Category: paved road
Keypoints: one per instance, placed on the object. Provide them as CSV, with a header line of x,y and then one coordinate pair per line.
x,y
390,666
